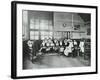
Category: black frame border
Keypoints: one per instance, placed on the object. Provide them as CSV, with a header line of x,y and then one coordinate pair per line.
x,y
14,41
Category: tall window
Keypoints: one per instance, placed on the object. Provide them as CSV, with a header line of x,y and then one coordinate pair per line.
x,y
41,26
34,29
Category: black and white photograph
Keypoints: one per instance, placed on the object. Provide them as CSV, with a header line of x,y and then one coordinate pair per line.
x,y
54,39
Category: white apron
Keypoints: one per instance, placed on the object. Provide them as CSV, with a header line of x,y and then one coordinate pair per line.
x,y
81,46
66,51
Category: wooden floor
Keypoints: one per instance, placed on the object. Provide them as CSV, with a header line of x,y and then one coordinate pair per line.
x,y
54,61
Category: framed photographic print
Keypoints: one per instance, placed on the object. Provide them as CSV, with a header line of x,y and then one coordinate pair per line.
x,y
38,52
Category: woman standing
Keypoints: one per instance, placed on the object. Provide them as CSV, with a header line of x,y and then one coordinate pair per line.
x,y
81,45
75,48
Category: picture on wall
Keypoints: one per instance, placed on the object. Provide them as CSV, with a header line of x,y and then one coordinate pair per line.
x,y
76,27
53,39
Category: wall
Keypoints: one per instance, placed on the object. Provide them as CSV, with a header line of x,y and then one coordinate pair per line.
x,y
70,19
60,19
25,25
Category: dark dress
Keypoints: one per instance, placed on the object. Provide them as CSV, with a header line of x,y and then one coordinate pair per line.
x,y
75,50
36,47
56,48
26,49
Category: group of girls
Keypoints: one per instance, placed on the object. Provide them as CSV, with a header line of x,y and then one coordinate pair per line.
x,y
66,46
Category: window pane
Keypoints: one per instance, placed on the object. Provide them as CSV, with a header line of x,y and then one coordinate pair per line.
x,y
31,37
50,25
32,21
31,33
37,26
32,26
36,37
43,37
44,33
36,23
36,32
50,33
44,24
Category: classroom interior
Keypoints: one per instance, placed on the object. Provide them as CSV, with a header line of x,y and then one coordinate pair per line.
x,y
41,25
